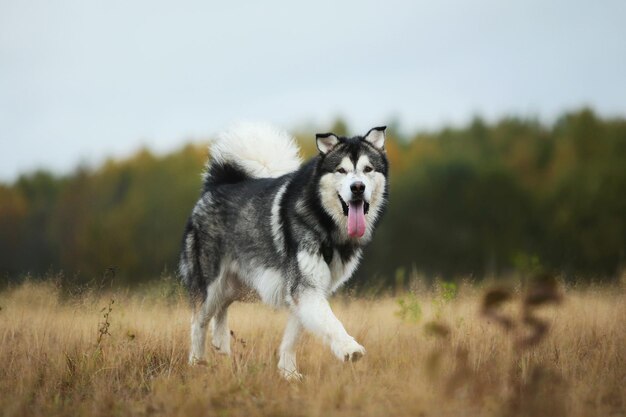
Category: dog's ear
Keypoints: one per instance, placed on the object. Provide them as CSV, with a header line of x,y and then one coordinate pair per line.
x,y
376,136
326,141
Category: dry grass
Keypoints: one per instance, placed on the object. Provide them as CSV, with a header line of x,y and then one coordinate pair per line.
x,y
451,361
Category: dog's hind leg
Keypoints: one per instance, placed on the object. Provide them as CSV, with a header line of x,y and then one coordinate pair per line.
x,y
287,354
198,337
219,296
220,330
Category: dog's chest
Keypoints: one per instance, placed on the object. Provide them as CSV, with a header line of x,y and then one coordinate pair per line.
x,y
341,269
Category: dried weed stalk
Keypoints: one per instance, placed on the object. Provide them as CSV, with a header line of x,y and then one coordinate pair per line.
x,y
103,328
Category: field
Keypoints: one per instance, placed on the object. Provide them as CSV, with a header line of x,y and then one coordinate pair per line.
x,y
429,353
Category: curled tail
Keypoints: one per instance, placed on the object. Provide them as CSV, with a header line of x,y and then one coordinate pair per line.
x,y
251,151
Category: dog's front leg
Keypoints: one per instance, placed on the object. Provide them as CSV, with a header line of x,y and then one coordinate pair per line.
x,y
316,316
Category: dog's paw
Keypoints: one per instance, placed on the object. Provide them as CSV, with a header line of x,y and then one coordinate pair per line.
x,y
291,376
349,351
222,349
194,361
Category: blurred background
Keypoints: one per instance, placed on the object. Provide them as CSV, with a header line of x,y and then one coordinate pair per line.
x,y
507,127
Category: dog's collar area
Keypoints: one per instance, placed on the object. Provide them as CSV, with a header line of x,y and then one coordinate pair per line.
x,y
344,206
327,253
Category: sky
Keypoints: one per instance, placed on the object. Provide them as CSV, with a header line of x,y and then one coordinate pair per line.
x,y
84,80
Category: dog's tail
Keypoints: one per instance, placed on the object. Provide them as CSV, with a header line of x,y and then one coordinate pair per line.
x,y
251,151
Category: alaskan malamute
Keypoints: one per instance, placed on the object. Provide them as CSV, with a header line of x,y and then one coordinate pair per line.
x,y
291,232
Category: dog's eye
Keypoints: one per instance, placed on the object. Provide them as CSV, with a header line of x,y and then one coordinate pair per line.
x,y
341,170
368,169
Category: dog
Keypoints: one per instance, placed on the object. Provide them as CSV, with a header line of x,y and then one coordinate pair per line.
x,y
292,233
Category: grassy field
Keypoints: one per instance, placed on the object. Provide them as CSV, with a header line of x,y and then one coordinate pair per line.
x,y
430,354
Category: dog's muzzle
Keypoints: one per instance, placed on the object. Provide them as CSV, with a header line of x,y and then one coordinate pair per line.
x,y
344,205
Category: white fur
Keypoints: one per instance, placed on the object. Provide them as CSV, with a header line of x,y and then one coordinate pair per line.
x,y
220,332
337,183
376,137
313,312
198,339
220,293
377,185
268,283
315,315
287,353
354,174
326,143
315,270
261,150
341,272
277,233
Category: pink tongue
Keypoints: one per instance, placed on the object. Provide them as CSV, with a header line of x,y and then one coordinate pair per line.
x,y
356,219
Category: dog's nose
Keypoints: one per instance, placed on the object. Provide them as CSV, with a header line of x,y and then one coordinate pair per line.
x,y
357,188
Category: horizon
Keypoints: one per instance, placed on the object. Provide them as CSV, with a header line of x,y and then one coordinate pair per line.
x,y
74,91
400,134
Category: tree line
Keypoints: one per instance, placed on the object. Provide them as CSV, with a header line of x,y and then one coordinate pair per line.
x,y
485,199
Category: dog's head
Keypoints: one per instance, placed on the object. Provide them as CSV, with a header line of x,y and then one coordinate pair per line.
x,y
353,180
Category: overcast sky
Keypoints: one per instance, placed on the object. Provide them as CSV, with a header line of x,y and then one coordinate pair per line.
x,y
81,80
